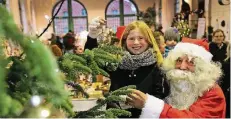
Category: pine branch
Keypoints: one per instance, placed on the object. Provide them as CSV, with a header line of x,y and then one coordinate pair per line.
x,y
76,58
112,49
121,92
102,72
106,58
128,87
110,113
118,112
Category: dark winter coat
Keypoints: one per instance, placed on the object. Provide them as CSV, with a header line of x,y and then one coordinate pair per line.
x,y
225,85
219,54
148,79
91,43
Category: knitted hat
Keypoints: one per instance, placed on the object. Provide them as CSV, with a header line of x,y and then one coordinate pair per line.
x,y
171,34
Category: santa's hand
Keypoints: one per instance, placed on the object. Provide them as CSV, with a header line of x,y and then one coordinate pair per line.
x,y
95,27
136,99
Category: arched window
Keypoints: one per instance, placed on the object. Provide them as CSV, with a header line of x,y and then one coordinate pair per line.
x,y
177,6
120,13
72,16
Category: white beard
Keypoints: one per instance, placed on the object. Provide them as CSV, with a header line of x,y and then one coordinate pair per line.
x,y
183,92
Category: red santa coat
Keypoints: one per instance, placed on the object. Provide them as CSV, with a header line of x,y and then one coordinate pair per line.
x,y
210,105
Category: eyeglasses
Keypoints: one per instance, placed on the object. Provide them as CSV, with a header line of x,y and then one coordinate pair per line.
x,y
218,36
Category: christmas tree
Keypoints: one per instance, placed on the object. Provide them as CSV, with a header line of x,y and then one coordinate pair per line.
x,y
181,25
32,85
35,74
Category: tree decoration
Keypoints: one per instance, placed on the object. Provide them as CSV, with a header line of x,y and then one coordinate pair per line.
x,y
183,27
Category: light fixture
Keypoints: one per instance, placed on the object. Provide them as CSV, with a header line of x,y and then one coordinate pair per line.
x,y
47,17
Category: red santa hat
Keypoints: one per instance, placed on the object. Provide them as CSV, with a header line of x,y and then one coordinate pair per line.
x,y
193,50
120,31
201,42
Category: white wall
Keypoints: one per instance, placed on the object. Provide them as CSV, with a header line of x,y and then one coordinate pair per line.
x,y
218,14
167,13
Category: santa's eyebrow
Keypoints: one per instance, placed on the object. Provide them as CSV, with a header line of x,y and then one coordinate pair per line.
x,y
191,58
178,59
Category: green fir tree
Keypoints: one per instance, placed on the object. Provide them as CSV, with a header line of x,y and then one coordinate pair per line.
x,y
35,74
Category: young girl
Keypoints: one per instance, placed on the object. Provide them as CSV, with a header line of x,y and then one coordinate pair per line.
x,y
140,64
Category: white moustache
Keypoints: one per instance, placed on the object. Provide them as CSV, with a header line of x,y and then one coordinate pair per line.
x,y
177,74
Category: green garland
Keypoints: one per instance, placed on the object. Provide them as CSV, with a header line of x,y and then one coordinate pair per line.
x,y
39,63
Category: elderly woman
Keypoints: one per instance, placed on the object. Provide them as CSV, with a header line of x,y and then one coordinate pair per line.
x,y
217,47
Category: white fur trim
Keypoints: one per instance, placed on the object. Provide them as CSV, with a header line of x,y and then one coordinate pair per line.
x,y
193,50
152,108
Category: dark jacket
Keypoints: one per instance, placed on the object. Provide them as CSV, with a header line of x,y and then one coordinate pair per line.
x,y
225,85
225,80
218,54
91,43
148,79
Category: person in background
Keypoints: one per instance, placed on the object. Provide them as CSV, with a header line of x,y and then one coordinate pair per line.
x,y
194,92
159,29
171,37
225,80
68,41
217,47
160,41
59,43
52,39
140,64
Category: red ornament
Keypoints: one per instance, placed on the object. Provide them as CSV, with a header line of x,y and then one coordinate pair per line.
x,y
120,31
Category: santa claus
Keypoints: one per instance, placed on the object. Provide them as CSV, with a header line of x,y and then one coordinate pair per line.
x,y
194,93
